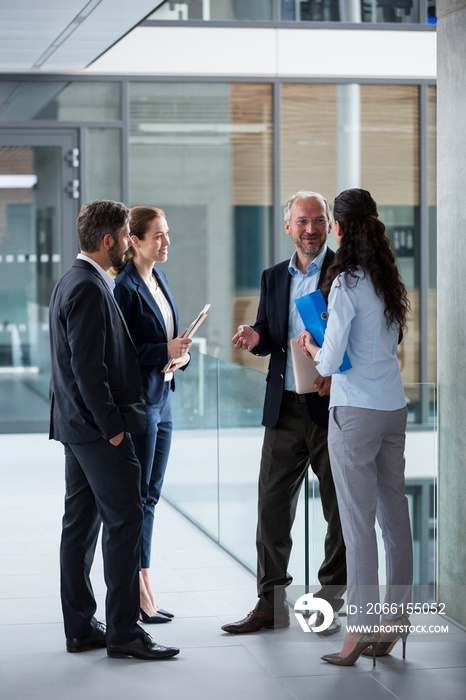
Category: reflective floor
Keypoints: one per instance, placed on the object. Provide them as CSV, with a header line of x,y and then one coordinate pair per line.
x,y
204,587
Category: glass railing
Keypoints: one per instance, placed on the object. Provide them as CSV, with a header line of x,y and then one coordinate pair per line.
x,y
347,11
214,465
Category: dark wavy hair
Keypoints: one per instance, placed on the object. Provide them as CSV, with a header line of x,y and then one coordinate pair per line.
x,y
364,244
98,218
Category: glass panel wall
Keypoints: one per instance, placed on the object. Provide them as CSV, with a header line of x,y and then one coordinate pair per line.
x,y
349,135
203,152
309,139
104,176
241,398
191,482
30,263
214,465
207,10
421,484
390,170
61,101
309,145
348,11
351,10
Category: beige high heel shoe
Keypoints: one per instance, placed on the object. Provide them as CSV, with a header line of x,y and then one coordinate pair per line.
x,y
365,642
398,629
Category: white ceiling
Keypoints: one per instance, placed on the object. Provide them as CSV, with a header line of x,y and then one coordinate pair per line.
x,y
63,35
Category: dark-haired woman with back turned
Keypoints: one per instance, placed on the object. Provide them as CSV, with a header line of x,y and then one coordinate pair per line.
x,y
151,314
368,306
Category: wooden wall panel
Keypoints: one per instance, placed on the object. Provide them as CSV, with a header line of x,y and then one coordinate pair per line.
x,y
251,144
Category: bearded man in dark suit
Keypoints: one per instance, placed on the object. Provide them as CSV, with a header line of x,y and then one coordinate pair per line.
x,y
295,424
96,402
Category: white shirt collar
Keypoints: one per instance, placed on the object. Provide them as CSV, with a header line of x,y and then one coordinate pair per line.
x,y
103,273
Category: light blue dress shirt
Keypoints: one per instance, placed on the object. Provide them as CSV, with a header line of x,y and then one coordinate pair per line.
x,y
300,285
357,324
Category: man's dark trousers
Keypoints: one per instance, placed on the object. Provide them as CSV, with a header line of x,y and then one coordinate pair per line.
x,y
102,485
288,449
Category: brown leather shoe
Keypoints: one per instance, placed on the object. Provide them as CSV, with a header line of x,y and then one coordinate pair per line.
x,y
256,621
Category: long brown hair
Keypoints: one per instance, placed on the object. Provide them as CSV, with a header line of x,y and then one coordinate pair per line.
x,y
364,244
139,222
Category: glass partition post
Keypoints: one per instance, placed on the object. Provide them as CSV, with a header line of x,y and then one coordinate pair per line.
x,y
306,532
432,228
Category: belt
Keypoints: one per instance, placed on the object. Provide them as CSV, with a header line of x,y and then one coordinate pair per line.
x,y
293,396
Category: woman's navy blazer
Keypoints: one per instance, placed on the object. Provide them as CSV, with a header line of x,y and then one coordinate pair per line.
x,y
146,326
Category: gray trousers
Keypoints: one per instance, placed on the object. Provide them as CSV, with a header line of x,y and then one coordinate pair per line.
x,y
367,458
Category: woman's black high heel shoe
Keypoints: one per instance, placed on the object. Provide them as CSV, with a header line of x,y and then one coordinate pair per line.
x,y
156,619
399,629
365,641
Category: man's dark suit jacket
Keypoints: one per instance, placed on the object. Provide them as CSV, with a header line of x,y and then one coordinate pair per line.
x,y
95,390
272,326
146,326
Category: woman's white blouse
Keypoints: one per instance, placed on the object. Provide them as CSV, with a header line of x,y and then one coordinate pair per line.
x,y
167,314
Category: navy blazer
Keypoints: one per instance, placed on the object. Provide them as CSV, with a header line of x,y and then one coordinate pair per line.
x,y
146,325
95,388
272,326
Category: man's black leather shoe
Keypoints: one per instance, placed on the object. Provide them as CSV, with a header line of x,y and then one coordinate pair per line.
x,y
141,648
335,625
96,639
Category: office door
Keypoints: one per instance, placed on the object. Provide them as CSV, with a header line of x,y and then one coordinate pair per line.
x,y
39,195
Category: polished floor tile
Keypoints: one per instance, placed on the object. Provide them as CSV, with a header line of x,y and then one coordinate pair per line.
x,y
448,683
205,588
361,686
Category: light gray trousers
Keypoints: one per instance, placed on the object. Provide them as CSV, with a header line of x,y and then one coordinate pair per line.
x,y
367,459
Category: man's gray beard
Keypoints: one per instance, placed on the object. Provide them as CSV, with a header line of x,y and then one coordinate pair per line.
x,y
308,253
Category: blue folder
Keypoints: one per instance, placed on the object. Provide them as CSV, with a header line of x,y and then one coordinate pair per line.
x,y
313,311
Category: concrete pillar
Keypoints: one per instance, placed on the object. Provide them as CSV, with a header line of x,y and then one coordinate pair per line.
x,y
451,100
